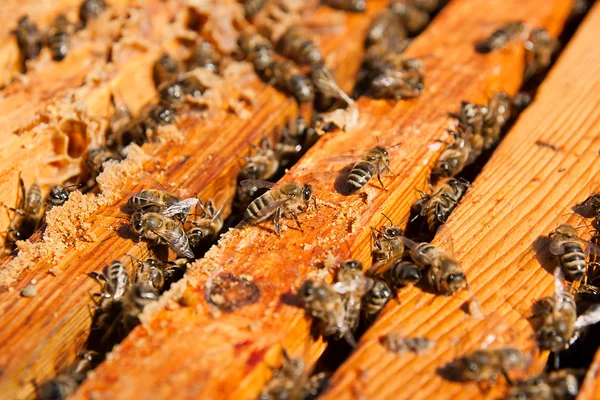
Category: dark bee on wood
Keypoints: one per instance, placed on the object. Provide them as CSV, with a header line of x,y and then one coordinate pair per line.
x,y
375,300
375,162
296,45
59,37
385,29
165,69
437,208
455,157
347,5
399,78
29,39
488,364
539,49
58,196
205,228
566,244
205,56
501,37
285,76
257,49
411,17
252,7
173,92
91,9
27,216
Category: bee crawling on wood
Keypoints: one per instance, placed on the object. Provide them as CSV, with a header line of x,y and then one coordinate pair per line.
x,y
375,300
292,381
560,325
65,383
385,29
285,76
347,5
556,385
285,199
205,229
455,157
161,229
28,214
388,244
398,78
566,244
91,9
487,364
29,40
59,37
165,69
252,7
352,284
205,56
539,49
296,45
396,343
437,207
500,37
174,92
257,49
375,162
58,196
263,165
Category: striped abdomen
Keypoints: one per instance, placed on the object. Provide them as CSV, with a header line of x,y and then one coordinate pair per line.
x,y
260,209
401,274
573,261
59,38
360,175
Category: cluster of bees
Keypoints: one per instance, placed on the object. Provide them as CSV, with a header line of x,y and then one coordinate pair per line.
x,y
253,7
58,36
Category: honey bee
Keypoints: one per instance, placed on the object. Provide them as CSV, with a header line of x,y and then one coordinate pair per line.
x,y
252,7
375,299
375,162
327,91
205,56
175,271
396,343
444,274
327,307
293,142
165,69
90,9
173,92
136,298
284,75
150,273
291,381
487,364
454,158
95,159
398,84
437,208
429,6
559,385
498,113
205,229
263,165
65,383
58,196
567,245
385,29
412,18
160,229
397,273
140,129
296,45
257,49
387,243
114,280
500,37
352,285
27,214
539,49
347,5
29,39
560,325
282,200
59,37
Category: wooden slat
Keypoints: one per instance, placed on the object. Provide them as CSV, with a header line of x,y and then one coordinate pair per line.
x,y
191,351
523,192
205,162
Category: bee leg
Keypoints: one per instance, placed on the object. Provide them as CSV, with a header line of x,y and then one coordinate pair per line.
x,y
297,221
508,380
276,221
380,182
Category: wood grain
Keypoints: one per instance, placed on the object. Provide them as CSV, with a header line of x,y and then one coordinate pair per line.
x,y
523,193
195,351
47,331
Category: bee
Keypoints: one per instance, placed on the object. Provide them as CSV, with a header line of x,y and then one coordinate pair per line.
x,y
375,299
567,245
58,196
347,5
114,280
454,158
140,129
59,37
352,285
163,202
262,166
375,162
29,39
291,381
385,29
539,49
396,343
293,142
429,6
161,229
28,214
252,7
397,273
257,49
150,273
487,364
437,208
175,272
65,383
165,69
95,159
327,91
412,18
560,385
136,298
444,274
560,325
205,56
205,229
284,75
498,113
296,45
387,243
173,92
500,37
398,84
282,200
90,9
327,307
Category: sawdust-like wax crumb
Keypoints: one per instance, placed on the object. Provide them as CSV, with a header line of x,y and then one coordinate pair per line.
x,y
222,21
112,180
29,291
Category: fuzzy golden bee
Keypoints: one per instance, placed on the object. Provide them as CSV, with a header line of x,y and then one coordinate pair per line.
x,y
27,216
59,37
566,244
29,39
160,229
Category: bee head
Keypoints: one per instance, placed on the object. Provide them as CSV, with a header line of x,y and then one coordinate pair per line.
x,y
58,194
470,369
307,192
552,338
454,282
306,290
352,265
136,222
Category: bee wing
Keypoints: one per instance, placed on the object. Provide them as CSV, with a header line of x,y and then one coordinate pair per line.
x,y
592,250
327,81
253,184
408,243
172,238
181,207
590,317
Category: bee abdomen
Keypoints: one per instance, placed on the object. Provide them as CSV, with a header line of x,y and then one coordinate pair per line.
x,y
573,261
258,208
360,175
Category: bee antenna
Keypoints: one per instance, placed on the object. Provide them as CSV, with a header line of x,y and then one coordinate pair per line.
x,y
394,145
135,259
388,218
315,203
